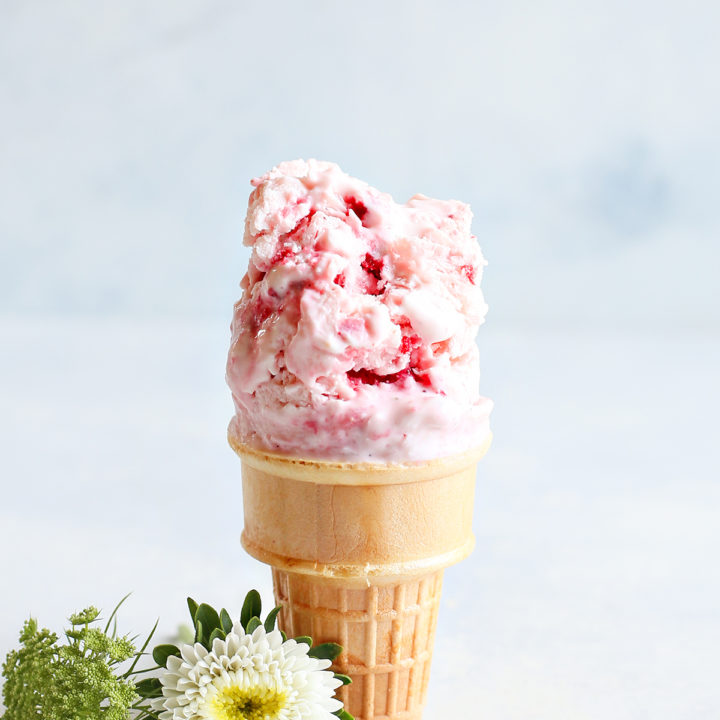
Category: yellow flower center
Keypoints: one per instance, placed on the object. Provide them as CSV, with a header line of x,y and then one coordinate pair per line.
x,y
255,703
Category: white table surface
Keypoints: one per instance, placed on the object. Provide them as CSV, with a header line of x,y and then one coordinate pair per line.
x,y
594,591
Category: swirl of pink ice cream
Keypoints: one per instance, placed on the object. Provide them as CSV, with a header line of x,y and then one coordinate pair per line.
x,y
354,338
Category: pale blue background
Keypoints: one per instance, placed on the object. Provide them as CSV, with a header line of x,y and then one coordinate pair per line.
x,y
584,135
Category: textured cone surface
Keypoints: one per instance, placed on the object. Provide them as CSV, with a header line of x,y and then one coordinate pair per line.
x,y
358,552
387,633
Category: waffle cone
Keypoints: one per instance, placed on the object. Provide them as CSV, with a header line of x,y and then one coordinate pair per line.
x,y
358,552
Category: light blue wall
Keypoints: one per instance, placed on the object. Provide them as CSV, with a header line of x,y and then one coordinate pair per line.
x,y
585,136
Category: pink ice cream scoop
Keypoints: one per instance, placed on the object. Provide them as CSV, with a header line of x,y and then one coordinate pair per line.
x,y
354,338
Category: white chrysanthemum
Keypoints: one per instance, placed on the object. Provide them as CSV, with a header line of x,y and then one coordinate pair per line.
x,y
248,677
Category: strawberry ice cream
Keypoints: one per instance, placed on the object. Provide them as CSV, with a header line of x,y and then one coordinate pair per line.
x,y
354,339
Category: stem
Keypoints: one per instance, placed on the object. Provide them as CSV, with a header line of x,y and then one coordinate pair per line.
x,y
114,612
140,672
142,649
146,710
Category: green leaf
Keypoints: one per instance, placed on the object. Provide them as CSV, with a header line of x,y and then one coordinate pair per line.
x,y
253,624
226,620
271,618
140,653
343,714
198,631
185,634
284,636
114,612
216,633
252,607
149,688
209,618
304,639
193,608
162,652
343,678
325,651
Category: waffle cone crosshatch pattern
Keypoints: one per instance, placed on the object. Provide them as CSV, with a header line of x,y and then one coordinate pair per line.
x,y
357,555
387,633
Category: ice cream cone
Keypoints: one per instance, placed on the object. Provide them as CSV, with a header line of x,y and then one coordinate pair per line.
x,y
358,552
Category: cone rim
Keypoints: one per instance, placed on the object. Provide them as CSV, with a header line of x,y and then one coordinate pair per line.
x,y
337,472
365,574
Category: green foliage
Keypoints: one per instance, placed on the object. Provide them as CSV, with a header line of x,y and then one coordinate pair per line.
x,y
162,652
216,634
325,651
272,618
149,688
343,714
209,624
226,620
78,678
199,632
193,608
28,673
90,673
185,634
210,621
85,617
252,607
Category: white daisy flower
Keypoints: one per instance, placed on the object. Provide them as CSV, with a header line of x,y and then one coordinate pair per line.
x,y
247,677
